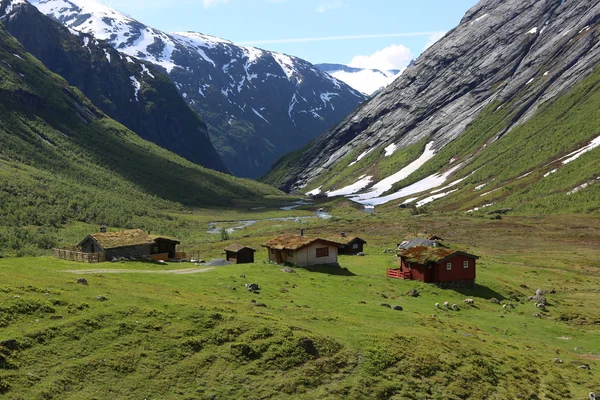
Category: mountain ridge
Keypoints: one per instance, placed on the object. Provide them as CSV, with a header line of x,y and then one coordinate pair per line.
x,y
258,104
509,59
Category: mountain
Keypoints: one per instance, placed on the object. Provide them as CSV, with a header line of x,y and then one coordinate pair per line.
x,y
134,93
367,81
504,101
63,160
258,104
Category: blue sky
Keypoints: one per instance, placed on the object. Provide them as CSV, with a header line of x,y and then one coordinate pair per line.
x,y
311,29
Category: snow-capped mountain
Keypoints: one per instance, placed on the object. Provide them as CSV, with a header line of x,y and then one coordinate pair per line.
x,y
135,93
367,81
258,104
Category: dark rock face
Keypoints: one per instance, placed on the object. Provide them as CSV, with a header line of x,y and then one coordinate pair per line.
x,y
519,53
132,92
258,105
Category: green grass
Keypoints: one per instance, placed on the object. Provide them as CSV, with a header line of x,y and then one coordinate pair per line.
x,y
192,336
62,162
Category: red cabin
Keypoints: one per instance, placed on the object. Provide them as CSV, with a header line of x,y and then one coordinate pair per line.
x,y
443,267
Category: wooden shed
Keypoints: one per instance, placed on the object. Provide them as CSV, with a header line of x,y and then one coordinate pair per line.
x,y
350,245
444,267
302,251
238,254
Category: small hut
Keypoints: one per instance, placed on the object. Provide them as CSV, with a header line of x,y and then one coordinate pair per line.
x,y
238,254
350,245
302,251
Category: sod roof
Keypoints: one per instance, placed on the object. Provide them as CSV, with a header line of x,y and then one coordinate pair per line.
x,y
295,242
424,254
346,239
237,247
113,240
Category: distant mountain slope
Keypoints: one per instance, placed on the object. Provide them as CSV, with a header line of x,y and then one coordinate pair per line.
x,y
62,159
509,69
135,93
367,81
259,105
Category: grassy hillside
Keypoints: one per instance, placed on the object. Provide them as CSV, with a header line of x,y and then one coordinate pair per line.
x,y
63,160
318,333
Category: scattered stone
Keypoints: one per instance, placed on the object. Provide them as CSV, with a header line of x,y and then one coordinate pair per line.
x,y
584,366
218,262
539,292
82,281
413,293
397,308
288,270
283,290
495,300
231,288
252,287
114,259
101,298
384,296
16,297
536,315
557,361
388,251
242,276
362,302
594,396
361,254
10,344
308,346
385,305
541,300
524,286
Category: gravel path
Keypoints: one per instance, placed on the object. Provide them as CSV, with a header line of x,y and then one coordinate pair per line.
x,y
186,271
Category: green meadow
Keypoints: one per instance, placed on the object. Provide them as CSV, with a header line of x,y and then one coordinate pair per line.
x,y
316,333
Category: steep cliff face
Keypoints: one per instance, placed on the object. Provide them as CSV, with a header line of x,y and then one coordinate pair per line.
x,y
509,58
258,104
134,93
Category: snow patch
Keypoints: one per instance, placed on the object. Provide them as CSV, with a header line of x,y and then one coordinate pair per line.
x,y
18,56
491,191
146,71
479,208
533,31
481,18
351,189
314,192
529,81
391,149
259,114
286,63
434,197
107,53
578,153
136,86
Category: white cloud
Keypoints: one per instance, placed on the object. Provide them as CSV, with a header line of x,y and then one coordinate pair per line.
x,y
329,5
393,57
210,3
434,37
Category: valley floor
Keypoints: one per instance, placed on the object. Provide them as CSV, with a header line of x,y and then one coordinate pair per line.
x,y
317,333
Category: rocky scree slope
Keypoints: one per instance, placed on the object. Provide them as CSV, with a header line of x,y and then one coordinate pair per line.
x,y
505,62
135,93
259,105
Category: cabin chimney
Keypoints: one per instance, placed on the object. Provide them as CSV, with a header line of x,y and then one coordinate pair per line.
x,y
103,228
301,231
343,234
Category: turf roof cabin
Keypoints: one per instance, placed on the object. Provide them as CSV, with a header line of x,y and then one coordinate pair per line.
x,y
238,254
441,266
350,245
133,243
302,251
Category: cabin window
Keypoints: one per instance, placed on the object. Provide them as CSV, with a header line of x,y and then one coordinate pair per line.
x,y
465,264
355,246
323,252
449,266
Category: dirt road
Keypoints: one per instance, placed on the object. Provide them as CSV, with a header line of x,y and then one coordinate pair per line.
x,y
186,271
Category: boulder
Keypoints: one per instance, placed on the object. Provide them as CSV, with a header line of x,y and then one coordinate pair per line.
x,y
361,254
385,305
397,308
594,396
288,270
82,281
413,293
252,287
101,298
495,300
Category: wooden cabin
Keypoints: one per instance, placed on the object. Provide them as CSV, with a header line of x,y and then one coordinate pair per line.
x,y
350,245
134,243
302,251
441,266
239,254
